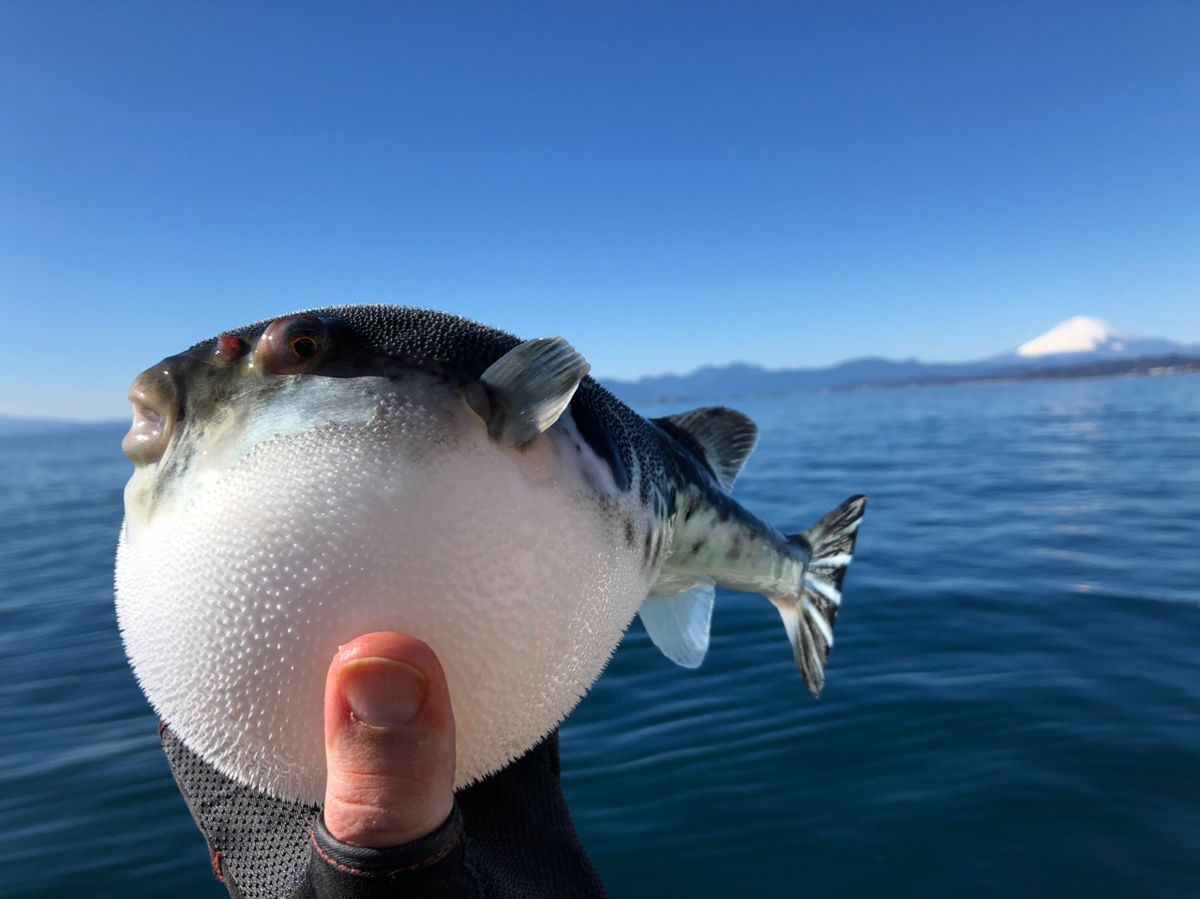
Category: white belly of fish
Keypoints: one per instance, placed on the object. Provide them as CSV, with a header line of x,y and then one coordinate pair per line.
x,y
233,600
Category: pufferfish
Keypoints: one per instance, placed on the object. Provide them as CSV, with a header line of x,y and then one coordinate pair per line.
x,y
307,479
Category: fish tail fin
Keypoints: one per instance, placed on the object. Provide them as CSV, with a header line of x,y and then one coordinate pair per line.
x,y
810,613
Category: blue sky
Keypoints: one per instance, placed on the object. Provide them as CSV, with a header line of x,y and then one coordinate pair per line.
x,y
666,185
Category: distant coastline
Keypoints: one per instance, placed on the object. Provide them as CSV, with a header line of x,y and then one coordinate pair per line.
x,y
1080,347
1147,366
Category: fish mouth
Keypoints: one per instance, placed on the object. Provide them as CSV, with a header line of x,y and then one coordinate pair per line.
x,y
154,395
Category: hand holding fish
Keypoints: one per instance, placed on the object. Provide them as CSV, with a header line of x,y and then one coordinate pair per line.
x,y
391,822
356,470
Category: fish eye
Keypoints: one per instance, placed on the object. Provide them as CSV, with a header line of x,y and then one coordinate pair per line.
x,y
305,346
292,345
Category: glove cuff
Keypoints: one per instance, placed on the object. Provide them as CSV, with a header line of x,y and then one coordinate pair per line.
x,y
429,866
395,861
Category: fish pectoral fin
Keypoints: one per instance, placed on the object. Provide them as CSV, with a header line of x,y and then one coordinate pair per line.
x,y
726,438
529,387
679,625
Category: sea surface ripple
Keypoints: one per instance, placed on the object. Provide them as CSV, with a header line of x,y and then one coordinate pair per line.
x,y
1012,709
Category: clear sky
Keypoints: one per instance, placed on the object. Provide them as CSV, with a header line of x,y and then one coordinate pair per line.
x,y
666,185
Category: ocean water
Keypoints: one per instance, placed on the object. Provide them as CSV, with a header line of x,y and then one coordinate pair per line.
x,y
1012,709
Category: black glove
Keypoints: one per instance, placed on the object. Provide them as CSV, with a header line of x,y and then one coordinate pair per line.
x,y
389,736
508,835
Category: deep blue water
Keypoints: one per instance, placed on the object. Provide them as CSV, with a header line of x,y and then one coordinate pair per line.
x,y
1012,709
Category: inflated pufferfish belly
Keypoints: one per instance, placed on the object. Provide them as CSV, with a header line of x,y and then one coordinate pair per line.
x,y
303,481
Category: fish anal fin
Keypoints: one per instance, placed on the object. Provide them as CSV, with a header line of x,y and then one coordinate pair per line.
x,y
679,625
529,387
725,438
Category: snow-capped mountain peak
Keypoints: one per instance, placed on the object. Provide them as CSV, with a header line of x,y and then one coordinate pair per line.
x,y
1081,334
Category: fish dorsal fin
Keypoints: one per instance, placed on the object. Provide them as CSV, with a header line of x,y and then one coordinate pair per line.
x,y
726,438
679,625
529,387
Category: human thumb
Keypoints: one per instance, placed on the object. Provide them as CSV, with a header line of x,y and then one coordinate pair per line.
x,y
389,742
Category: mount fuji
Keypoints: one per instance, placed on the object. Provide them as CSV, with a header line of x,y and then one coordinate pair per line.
x,y
1079,346
1084,338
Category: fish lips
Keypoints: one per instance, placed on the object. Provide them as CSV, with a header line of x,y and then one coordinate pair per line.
x,y
155,397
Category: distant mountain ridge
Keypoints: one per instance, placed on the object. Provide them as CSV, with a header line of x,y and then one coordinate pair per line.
x,y
1079,341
